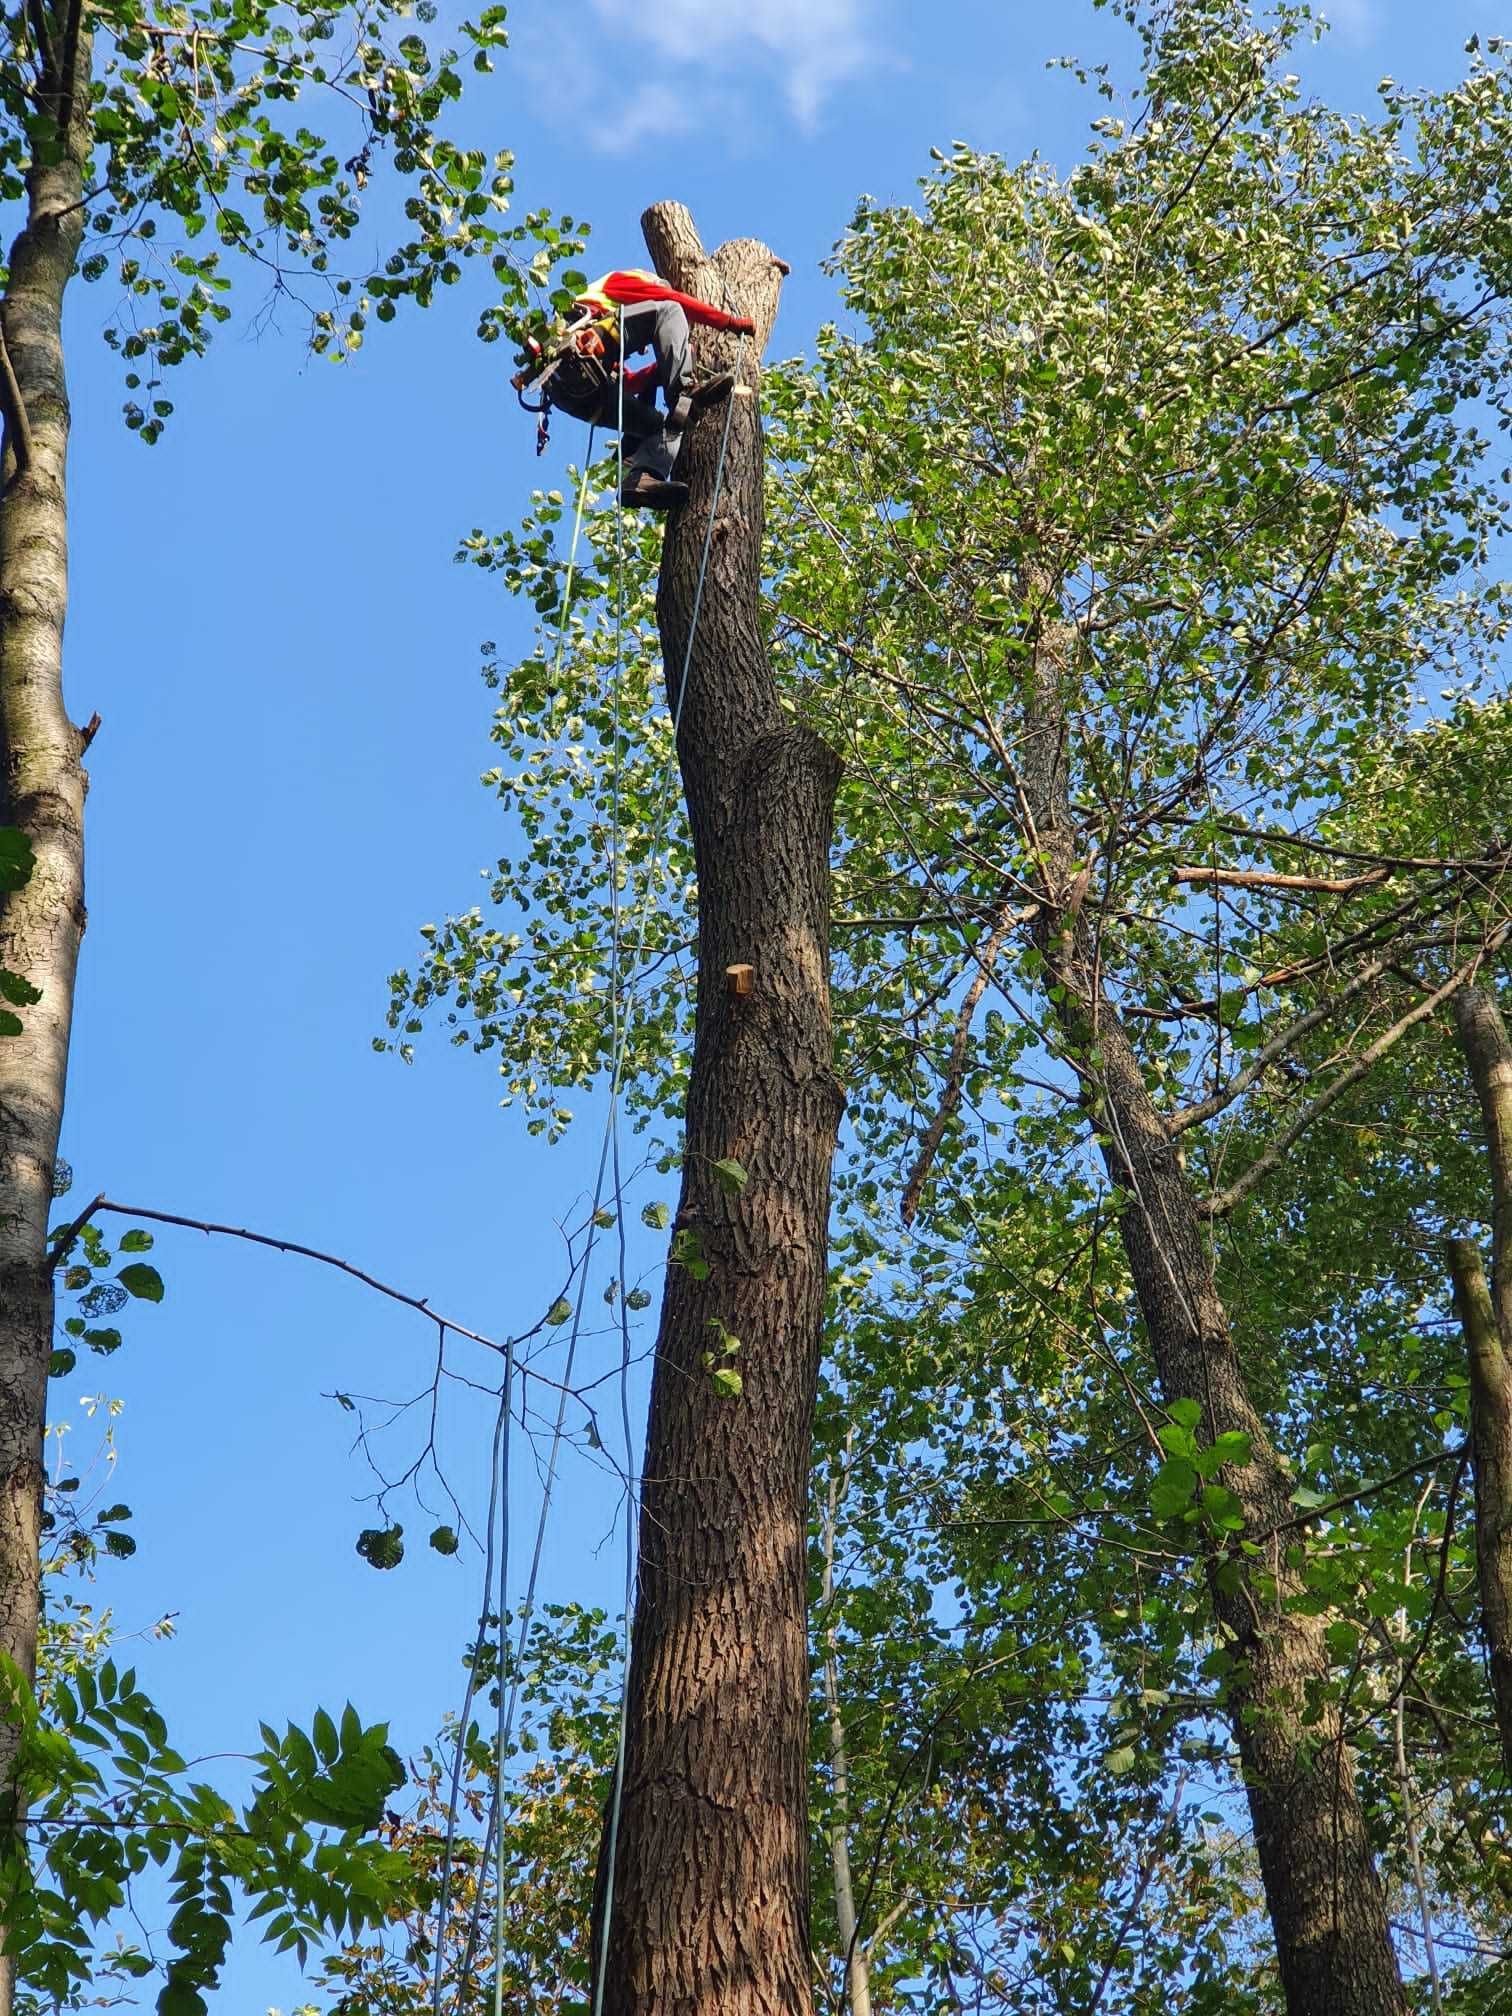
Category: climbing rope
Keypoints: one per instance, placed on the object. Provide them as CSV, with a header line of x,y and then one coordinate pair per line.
x,y
620,997
622,1028
501,1437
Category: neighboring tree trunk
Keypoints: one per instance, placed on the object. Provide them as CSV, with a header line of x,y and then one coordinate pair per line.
x,y
42,792
853,1953
710,1910
1486,1317
1325,1899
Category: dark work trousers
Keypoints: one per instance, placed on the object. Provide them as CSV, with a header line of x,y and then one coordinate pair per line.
x,y
649,444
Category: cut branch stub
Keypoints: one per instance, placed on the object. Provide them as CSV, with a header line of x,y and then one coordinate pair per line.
x,y
744,276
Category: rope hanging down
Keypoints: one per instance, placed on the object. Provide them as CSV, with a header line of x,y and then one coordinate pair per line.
x,y
621,996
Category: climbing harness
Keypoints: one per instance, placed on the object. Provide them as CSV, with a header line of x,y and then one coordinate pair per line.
x,y
621,995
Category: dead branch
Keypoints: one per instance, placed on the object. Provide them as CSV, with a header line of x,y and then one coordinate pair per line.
x,y
986,957
1255,878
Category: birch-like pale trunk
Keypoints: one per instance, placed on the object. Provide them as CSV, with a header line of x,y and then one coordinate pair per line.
x,y
42,793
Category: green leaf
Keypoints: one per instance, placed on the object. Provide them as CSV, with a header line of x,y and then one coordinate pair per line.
x,y
687,1252
1172,1490
181,1998
657,1216
16,859
1222,1508
1120,1762
726,1380
1234,1447
1343,1639
731,1176
142,1281
1186,1413
444,1540
136,1241
323,1735
381,1546
20,993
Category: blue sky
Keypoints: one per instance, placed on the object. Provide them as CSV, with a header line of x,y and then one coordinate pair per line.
x,y
267,617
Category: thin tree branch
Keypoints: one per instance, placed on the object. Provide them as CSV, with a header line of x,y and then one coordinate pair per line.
x,y
1365,1491
69,68
986,958
1270,837
1148,1866
18,425
1221,1202
417,1302
1290,1036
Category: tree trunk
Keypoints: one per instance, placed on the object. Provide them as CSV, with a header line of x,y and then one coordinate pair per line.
x,y
42,793
853,1953
710,1876
1486,1319
1326,1904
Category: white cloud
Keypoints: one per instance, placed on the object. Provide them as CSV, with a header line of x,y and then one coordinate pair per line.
x,y
650,112
812,45
1354,19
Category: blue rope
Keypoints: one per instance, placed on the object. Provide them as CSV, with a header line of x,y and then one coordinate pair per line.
x,y
501,1760
467,1701
449,1852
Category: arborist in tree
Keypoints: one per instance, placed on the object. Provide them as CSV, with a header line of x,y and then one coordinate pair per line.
x,y
577,366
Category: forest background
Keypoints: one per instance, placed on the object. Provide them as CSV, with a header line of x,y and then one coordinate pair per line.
x,y
285,661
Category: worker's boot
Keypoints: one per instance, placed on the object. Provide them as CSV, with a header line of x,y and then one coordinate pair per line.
x,y
704,393
643,491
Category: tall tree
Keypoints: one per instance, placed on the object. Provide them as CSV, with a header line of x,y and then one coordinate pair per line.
x,y
148,130
1116,552
707,1842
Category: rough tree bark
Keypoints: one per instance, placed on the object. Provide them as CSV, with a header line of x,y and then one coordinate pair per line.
x,y
42,793
1486,1318
710,1910
1324,1896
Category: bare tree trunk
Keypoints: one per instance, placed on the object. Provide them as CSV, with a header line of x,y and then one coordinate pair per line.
x,y
42,793
1486,1319
710,1889
1326,1904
